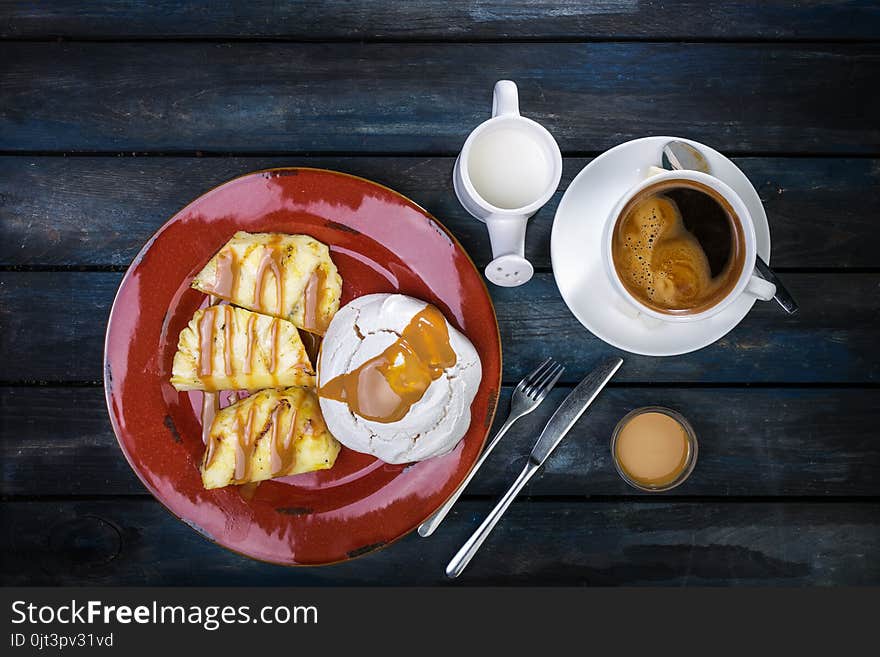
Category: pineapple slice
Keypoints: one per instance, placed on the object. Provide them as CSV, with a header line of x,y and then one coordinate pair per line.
x,y
273,433
286,276
228,348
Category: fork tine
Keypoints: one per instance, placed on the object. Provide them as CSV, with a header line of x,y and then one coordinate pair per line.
x,y
536,386
549,385
531,376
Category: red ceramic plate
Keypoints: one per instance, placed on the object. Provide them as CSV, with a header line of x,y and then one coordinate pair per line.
x,y
381,242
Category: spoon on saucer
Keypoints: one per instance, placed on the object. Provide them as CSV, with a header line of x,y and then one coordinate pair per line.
x,y
679,155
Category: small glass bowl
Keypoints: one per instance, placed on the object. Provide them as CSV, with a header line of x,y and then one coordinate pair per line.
x,y
693,448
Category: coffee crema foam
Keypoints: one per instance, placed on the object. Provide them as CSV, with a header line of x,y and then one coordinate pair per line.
x,y
657,256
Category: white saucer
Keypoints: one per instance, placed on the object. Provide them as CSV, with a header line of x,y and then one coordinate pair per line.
x,y
575,250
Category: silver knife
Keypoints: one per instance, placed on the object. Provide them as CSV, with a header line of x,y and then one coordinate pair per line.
x,y
562,421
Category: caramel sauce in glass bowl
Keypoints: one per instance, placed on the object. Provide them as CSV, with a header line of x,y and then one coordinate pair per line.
x,y
654,448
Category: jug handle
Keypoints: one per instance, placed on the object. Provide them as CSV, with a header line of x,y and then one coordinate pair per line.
x,y
505,99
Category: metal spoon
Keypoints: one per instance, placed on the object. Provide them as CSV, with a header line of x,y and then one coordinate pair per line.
x,y
679,155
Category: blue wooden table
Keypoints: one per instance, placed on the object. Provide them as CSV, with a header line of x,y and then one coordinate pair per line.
x,y
114,114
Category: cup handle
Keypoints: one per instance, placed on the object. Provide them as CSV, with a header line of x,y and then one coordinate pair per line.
x,y
508,237
760,288
505,99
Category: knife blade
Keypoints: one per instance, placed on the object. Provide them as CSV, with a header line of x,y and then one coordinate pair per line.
x,y
572,408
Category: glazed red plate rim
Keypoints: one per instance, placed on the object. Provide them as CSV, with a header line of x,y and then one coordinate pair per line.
x,y
472,290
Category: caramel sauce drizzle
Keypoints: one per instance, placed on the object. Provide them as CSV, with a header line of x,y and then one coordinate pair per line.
x,y
281,455
250,340
247,491
206,342
312,298
282,445
385,387
206,327
226,276
207,332
269,262
243,444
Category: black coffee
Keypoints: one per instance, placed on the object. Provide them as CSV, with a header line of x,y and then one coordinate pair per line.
x,y
705,218
678,247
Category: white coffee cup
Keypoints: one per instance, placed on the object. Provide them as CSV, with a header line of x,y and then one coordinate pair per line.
x,y
748,281
508,168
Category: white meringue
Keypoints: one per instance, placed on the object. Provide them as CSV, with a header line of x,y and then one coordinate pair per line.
x,y
436,423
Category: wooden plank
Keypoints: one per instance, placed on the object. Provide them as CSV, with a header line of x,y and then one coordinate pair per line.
x,y
440,19
136,542
753,442
101,210
425,98
832,340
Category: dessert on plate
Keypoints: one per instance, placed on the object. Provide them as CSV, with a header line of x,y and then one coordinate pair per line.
x,y
395,379
273,433
229,348
286,276
275,284
378,241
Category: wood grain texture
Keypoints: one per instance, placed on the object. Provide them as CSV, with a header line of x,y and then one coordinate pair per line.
x,y
73,211
136,542
440,19
425,98
753,442
832,340
786,488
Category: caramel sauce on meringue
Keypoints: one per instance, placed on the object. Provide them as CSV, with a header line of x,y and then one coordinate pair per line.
x,y
385,387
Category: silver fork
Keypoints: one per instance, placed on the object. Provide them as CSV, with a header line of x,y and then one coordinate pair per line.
x,y
527,395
